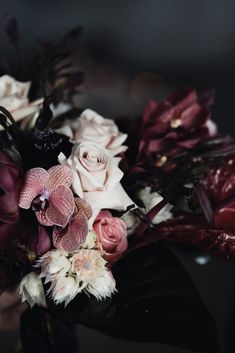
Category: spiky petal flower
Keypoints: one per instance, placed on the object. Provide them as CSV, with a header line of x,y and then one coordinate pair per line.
x,y
71,274
49,194
54,264
103,286
90,268
31,290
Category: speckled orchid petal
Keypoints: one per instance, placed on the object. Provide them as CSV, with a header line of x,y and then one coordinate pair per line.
x,y
34,182
42,218
83,207
60,175
61,206
73,236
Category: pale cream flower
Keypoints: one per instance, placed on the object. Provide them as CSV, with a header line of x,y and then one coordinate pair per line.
x,y
151,199
31,290
92,127
103,286
97,178
14,97
53,264
64,289
88,264
90,241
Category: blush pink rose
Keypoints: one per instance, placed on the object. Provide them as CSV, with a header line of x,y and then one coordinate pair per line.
x,y
112,235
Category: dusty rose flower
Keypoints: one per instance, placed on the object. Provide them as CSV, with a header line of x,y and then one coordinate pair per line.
x,y
10,182
74,234
49,194
14,97
173,125
97,177
112,234
92,127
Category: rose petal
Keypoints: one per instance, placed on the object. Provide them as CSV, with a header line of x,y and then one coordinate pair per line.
x,y
60,175
61,206
35,180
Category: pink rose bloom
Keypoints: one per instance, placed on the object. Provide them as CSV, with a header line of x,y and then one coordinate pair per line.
x,y
112,235
92,127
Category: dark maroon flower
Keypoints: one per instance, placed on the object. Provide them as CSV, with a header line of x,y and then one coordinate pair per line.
x,y
171,126
219,184
10,182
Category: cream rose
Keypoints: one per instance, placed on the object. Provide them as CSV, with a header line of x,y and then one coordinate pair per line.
x,y
14,97
97,177
92,127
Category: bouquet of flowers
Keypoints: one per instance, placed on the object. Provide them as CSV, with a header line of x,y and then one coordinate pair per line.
x,y
88,205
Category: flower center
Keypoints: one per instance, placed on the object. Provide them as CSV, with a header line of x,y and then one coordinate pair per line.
x,y
41,201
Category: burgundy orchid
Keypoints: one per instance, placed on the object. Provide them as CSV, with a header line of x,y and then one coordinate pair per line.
x,y
74,235
10,182
173,125
49,194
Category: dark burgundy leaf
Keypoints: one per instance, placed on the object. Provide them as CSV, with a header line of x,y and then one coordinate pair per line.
x,y
156,301
42,333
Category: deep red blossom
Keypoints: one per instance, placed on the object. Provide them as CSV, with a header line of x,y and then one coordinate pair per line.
x,y
10,182
171,126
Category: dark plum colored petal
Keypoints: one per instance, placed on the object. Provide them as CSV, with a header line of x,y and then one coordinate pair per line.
x,y
10,182
8,233
44,241
225,217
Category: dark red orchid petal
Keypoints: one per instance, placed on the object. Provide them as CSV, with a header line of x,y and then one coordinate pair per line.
x,y
171,126
194,116
10,182
182,98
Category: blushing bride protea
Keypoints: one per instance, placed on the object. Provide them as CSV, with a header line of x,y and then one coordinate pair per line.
x,y
70,274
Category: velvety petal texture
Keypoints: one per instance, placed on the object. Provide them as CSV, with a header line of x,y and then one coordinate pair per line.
x,y
170,126
10,183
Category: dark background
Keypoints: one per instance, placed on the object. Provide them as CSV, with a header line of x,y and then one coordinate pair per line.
x,y
131,51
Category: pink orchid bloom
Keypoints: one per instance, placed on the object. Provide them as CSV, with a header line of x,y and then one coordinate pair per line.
x,y
73,236
49,194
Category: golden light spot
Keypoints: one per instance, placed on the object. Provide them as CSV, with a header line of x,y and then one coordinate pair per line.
x,y
161,160
175,123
